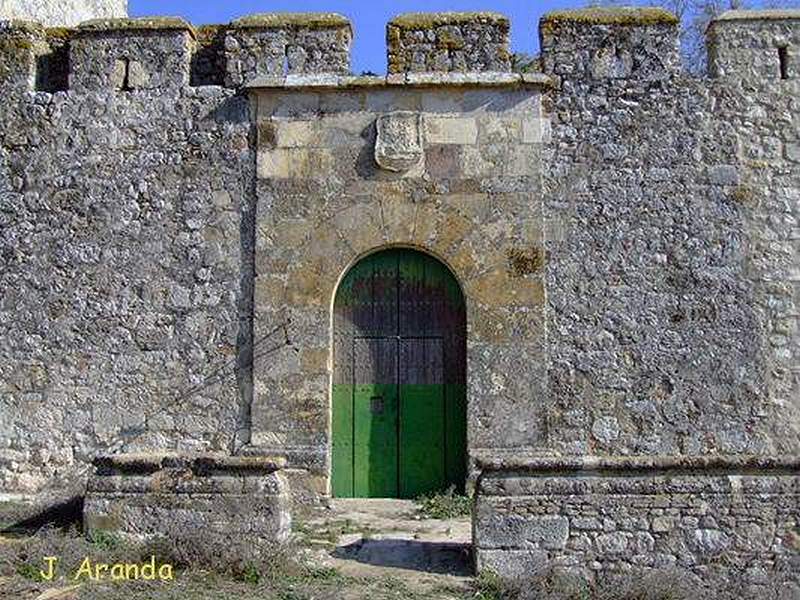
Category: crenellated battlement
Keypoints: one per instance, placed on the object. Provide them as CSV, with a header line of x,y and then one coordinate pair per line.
x,y
168,53
286,43
21,43
595,43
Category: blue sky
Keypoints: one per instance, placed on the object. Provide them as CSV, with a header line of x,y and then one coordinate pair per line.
x,y
368,18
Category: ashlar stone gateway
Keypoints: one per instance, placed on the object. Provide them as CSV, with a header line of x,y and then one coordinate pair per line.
x,y
329,204
572,292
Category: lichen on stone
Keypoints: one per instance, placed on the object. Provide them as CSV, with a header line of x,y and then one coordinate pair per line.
x,y
311,20
12,45
611,16
429,20
524,261
15,26
208,35
141,24
59,33
209,31
743,194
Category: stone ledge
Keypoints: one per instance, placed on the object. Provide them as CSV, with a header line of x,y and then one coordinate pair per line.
x,y
199,464
616,464
175,481
431,79
650,487
758,15
610,16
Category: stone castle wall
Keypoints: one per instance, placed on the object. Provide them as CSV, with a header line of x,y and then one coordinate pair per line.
x,y
672,210
178,204
62,13
127,220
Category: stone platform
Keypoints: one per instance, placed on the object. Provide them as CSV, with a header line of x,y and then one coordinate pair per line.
x,y
724,520
178,496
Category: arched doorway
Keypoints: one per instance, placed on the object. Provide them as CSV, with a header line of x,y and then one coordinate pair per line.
x,y
399,378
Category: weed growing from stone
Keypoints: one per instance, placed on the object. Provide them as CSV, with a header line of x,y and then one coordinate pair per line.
x,y
104,540
447,505
28,571
489,586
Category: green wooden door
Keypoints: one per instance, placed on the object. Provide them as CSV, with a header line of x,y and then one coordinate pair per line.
x,y
375,412
399,406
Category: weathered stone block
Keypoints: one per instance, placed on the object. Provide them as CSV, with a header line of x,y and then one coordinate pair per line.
x,y
535,130
509,530
451,130
192,498
513,564
274,163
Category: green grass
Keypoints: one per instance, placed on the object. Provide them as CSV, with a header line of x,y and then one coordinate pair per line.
x,y
251,574
489,586
104,540
28,571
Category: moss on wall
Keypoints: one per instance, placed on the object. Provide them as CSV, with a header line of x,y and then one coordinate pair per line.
x,y
611,16
429,20
143,24
59,33
282,20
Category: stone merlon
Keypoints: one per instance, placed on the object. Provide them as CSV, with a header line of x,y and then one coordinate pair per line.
x,y
451,41
754,45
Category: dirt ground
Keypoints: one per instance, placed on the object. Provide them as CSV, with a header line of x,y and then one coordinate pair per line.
x,y
349,550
